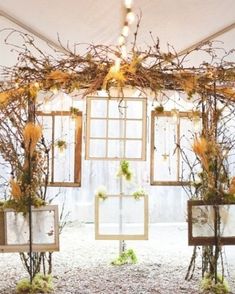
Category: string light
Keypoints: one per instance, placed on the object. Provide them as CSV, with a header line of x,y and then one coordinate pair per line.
x,y
122,39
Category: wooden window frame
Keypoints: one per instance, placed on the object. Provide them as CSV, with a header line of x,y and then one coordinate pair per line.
x,y
205,241
77,148
124,138
99,236
25,247
154,114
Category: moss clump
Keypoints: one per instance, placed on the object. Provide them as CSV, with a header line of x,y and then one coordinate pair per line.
x,y
139,193
22,205
159,109
208,285
40,284
124,170
126,257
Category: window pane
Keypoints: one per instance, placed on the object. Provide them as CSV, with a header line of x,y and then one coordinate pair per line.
x,y
115,149
134,129
116,110
133,148
134,109
97,148
165,152
98,128
116,129
98,108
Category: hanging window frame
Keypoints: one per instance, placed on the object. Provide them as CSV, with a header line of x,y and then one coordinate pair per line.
x,y
107,120
77,148
121,197
24,247
194,219
177,182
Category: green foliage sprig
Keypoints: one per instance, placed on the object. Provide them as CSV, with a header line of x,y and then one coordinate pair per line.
x,y
126,257
124,170
139,193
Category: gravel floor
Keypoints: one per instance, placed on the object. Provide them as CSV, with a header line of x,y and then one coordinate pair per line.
x,y
83,264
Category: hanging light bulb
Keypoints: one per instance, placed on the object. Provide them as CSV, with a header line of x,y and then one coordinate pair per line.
x,y
128,3
130,17
121,40
125,31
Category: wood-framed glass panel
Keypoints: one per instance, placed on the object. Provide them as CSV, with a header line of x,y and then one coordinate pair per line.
x,y
170,136
65,165
116,128
201,223
121,217
14,230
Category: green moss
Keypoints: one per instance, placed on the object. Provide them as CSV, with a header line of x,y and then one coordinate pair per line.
x,y
22,205
208,285
126,257
159,109
40,284
139,193
124,170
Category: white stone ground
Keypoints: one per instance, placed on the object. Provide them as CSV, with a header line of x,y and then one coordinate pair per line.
x,y
83,265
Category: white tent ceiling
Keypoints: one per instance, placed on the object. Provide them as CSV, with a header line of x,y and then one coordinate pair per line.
x,y
181,23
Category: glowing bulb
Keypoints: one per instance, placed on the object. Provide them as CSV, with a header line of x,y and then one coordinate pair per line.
x,y
121,40
16,85
130,17
125,31
128,3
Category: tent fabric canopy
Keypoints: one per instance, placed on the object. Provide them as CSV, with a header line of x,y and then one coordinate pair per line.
x,y
180,23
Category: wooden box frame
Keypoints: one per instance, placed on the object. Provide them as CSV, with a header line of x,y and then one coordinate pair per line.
x,y
204,241
107,119
143,236
77,151
182,114
25,247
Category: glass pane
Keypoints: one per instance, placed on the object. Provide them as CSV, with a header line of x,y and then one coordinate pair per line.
x,y
98,128
109,216
115,149
17,226
98,108
116,109
133,149
133,223
116,129
43,227
134,129
186,142
64,157
165,152
97,148
134,109
203,220
115,217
